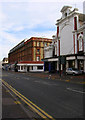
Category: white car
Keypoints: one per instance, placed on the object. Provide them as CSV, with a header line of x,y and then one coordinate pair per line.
x,y
73,71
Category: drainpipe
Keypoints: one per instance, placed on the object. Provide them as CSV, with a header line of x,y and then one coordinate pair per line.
x,y
84,45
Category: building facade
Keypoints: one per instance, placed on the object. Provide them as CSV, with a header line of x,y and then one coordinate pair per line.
x,y
5,63
28,54
69,41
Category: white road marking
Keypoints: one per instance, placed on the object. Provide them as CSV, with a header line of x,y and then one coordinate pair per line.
x,y
46,83
75,90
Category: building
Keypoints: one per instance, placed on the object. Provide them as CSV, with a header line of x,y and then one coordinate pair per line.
x,y
5,63
68,43
28,54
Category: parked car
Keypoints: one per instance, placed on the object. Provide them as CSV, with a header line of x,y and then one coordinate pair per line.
x,y
73,71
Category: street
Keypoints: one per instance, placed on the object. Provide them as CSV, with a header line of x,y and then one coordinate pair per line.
x,y
52,98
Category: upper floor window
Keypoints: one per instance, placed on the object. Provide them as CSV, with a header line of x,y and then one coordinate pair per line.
x,y
38,58
45,44
65,14
38,43
38,51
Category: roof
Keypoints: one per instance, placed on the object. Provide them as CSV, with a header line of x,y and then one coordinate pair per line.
x,y
39,38
28,40
5,59
65,8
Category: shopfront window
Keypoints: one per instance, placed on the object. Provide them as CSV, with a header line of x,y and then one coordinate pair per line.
x,y
39,67
80,64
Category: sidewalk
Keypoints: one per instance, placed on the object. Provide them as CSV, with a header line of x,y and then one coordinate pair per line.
x,y
10,107
80,79
55,76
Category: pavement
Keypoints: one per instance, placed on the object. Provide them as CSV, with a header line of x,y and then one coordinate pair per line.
x,y
79,79
12,108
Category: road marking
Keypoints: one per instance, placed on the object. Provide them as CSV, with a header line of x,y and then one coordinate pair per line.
x,y
38,110
46,83
67,80
75,90
82,82
17,102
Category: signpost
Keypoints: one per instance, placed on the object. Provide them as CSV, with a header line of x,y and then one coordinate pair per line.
x,y
62,60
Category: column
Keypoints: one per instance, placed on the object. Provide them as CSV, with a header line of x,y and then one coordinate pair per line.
x,y
76,63
84,66
67,65
76,43
49,67
57,65
44,66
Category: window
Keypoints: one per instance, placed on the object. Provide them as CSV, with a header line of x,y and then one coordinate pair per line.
x,y
65,14
38,51
38,58
38,43
39,67
45,44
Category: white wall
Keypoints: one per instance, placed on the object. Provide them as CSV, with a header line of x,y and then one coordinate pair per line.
x,y
48,51
66,36
30,68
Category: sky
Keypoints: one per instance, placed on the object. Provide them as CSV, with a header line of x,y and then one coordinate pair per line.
x,y
20,19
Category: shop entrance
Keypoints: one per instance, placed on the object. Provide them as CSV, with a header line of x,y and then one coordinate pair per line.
x,y
27,68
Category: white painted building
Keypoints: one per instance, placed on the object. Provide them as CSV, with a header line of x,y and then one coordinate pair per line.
x,y
69,42
31,66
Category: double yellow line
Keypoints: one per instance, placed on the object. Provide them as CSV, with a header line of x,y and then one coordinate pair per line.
x,y
38,110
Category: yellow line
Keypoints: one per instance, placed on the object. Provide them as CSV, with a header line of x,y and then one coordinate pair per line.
x,y
17,102
29,102
26,102
67,80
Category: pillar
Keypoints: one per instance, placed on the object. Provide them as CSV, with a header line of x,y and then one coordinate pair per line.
x,y
49,67
76,63
44,66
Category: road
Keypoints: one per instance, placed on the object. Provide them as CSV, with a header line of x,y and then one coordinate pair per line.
x,y
58,99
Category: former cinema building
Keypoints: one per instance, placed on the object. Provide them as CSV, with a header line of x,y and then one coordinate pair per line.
x,y
68,45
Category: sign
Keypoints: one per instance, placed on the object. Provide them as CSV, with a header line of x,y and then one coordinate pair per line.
x,y
62,60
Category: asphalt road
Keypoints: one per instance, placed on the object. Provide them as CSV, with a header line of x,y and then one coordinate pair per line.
x,y
57,98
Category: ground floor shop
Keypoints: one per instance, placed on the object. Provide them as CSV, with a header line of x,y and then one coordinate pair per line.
x,y
30,66
60,63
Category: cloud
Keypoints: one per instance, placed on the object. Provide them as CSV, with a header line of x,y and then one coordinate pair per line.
x,y
41,0
22,19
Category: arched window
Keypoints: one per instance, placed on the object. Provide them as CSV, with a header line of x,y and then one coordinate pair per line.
x,y
80,39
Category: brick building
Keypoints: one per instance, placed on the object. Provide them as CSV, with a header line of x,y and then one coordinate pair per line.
x,y
29,53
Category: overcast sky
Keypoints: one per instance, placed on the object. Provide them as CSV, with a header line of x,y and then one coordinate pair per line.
x,y
20,19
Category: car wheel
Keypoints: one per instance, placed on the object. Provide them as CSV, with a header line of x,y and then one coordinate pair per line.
x,y
73,73
66,73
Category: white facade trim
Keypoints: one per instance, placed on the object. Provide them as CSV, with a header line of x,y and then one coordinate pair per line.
x,y
30,64
53,59
81,57
71,58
